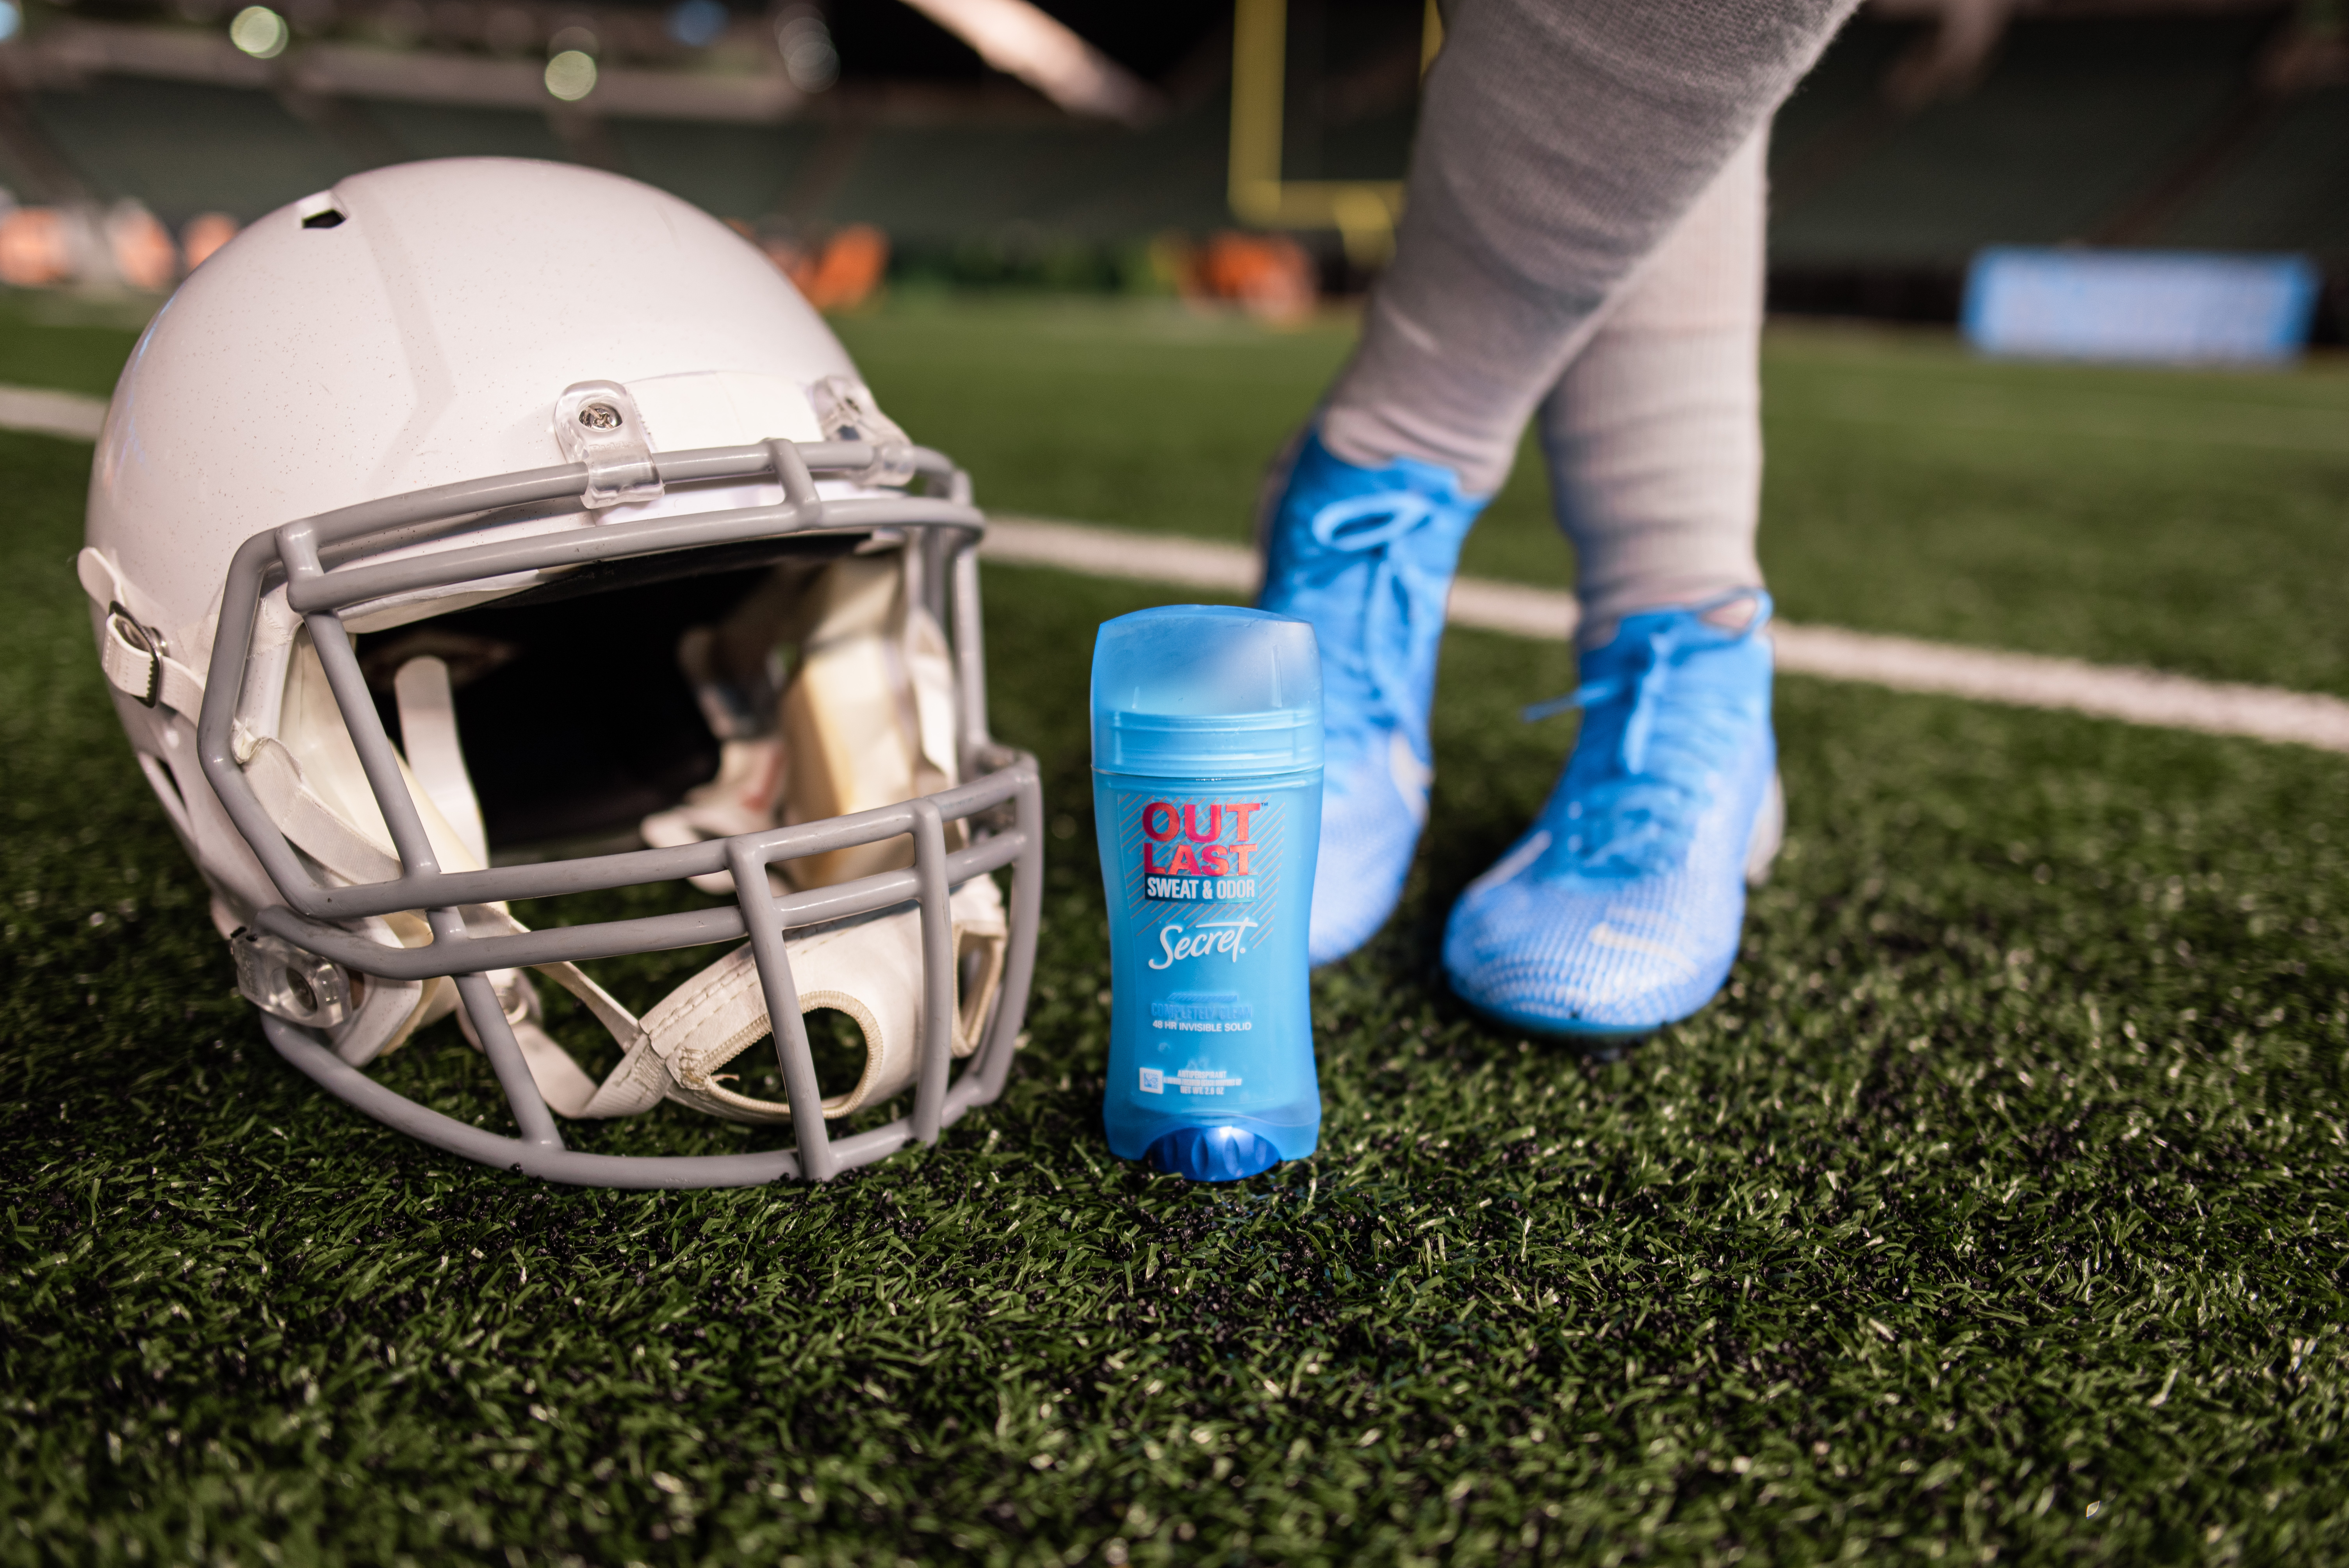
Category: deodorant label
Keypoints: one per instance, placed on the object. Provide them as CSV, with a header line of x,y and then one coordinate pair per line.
x,y
1207,939
1202,877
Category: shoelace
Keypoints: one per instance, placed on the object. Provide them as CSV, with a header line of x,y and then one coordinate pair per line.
x,y
1402,604
1637,820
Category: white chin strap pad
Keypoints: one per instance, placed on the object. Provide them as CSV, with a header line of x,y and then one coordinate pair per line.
x,y
868,967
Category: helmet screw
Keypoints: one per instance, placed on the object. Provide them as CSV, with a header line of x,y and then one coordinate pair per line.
x,y
600,417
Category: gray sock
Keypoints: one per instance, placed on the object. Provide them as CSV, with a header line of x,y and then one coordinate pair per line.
x,y
1654,433
1558,144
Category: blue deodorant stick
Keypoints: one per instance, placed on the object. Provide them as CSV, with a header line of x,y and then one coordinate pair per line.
x,y
1207,801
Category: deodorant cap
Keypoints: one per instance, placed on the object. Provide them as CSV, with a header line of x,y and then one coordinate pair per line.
x,y
1206,690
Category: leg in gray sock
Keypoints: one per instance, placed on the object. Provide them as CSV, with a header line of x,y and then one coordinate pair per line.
x,y
1654,435
1558,145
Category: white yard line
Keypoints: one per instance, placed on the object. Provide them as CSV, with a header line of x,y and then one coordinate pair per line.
x,y
1905,663
2033,680
1112,552
46,413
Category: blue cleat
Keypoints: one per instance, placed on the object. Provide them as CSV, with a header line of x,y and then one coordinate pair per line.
x,y
1619,910
1367,556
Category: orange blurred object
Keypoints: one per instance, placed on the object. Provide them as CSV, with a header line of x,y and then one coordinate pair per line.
x,y
35,251
1268,276
205,233
144,254
843,273
787,257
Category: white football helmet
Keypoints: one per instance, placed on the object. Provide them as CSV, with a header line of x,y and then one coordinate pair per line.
x,y
548,461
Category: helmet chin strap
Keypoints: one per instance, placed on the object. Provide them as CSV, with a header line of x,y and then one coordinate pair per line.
x,y
680,1050
427,732
865,967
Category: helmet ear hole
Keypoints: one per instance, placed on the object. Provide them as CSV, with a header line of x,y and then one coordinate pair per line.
x,y
836,1042
167,791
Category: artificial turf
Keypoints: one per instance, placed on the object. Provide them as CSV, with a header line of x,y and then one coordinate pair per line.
x,y
1996,1211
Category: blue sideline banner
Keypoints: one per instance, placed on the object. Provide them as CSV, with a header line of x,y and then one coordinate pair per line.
x,y
2176,307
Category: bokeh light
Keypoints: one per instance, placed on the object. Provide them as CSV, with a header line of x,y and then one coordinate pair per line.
x,y
144,254
571,75
260,32
697,24
805,44
205,233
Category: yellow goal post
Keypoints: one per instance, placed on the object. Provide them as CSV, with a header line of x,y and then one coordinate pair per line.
x,y
1364,211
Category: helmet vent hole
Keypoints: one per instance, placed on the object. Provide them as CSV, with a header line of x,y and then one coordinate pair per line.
x,y
319,211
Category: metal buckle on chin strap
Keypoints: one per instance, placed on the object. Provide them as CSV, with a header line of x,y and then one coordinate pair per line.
x,y
133,641
134,657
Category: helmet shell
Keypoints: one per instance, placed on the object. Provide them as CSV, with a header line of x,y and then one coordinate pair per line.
x,y
413,327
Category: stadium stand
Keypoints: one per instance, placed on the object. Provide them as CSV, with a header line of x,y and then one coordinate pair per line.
x,y
182,148
2290,191
2166,131
2075,119
2225,126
